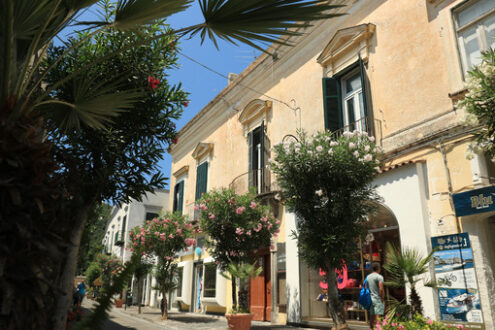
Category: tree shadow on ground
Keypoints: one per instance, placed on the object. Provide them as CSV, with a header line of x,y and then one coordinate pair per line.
x,y
191,319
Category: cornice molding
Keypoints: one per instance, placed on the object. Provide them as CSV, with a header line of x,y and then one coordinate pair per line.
x,y
181,171
352,39
201,150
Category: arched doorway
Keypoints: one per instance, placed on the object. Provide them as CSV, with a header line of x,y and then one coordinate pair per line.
x,y
382,228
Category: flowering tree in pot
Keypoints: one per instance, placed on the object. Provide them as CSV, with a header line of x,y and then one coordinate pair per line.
x,y
326,180
162,238
237,226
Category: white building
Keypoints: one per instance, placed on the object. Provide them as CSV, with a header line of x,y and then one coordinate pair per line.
x,y
122,220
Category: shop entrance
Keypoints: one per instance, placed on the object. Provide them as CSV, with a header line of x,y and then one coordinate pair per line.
x,y
260,297
382,228
197,287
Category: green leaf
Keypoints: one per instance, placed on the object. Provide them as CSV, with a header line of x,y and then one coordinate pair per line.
x,y
259,20
132,13
92,105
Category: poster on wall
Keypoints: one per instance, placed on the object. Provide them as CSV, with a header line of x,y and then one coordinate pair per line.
x,y
455,275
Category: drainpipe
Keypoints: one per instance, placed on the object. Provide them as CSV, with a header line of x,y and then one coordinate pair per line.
x,y
449,183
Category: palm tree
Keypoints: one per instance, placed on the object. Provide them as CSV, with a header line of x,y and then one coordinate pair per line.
x,y
31,199
404,267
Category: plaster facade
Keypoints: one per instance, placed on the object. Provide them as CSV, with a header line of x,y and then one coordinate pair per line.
x,y
412,62
122,220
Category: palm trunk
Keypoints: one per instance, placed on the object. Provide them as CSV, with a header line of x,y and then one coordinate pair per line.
x,y
164,306
416,303
69,269
334,306
234,294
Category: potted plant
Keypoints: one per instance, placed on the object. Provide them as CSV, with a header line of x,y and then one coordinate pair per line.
x,y
237,227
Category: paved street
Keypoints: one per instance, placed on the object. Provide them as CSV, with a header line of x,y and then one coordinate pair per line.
x,y
150,318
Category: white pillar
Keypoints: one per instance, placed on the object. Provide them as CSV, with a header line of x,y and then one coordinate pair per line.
x,y
292,273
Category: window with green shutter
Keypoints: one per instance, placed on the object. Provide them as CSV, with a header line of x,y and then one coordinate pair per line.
x,y
201,179
346,100
178,197
123,226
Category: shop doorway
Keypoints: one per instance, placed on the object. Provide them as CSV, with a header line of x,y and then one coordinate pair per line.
x,y
197,287
260,296
382,228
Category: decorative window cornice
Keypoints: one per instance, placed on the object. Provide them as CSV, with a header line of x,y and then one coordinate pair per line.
x,y
253,110
181,171
201,150
254,113
352,40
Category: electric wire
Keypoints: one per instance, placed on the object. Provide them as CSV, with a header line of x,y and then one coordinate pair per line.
x,y
240,84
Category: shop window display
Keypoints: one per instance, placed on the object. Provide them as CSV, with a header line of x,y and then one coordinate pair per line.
x,y
382,228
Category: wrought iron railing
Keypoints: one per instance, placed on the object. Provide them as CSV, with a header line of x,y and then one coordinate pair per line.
x,y
190,213
365,124
259,179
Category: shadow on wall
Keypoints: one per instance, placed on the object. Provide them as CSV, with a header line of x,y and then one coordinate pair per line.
x,y
293,306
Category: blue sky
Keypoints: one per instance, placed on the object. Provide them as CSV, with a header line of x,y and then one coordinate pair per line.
x,y
202,84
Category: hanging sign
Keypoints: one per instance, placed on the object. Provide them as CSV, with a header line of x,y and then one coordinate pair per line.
x,y
455,275
474,201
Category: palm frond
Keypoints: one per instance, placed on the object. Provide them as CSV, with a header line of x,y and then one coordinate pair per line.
x,y
259,20
92,105
132,13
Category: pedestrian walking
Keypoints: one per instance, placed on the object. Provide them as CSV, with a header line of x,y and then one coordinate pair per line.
x,y
81,288
377,292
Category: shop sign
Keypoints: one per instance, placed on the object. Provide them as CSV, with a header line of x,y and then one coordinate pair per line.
x,y
455,275
474,201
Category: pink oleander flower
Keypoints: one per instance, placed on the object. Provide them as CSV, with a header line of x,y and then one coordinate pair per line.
x,y
368,158
356,154
277,222
179,231
167,220
211,216
196,208
253,205
176,223
352,145
239,231
135,244
401,327
203,207
319,192
152,82
264,219
170,236
157,233
430,322
248,233
240,210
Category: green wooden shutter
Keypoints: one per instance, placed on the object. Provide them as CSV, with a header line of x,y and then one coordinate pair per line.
x,y
123,227
365,85
332,104
265,155
201,179
116,238
178,196
180,201
250,160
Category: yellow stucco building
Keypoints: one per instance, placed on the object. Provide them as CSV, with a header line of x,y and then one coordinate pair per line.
x,y
393,68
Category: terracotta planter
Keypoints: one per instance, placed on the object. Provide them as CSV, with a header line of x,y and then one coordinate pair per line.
x,y
118,303
239,321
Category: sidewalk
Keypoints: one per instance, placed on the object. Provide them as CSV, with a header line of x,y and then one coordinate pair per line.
x,y
188,321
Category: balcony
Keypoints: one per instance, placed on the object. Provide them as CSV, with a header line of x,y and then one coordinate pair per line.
x,y
190,213
258,179
366,124
119,239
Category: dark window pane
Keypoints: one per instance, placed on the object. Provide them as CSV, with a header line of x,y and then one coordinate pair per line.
x,y
180,272
210,279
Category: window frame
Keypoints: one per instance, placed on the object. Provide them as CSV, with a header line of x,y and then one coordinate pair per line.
x,y
480,32
356,95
